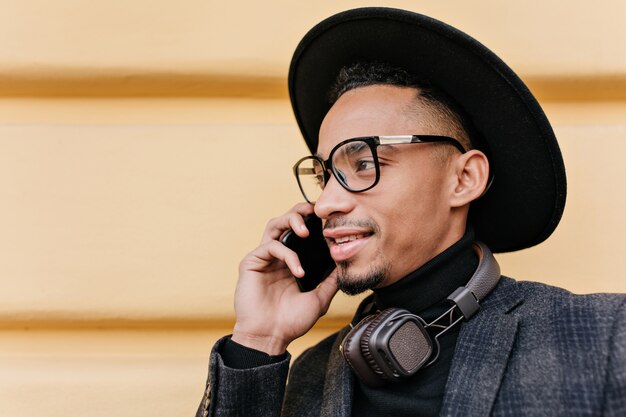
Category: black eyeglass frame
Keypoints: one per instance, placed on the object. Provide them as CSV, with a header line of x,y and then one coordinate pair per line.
x,y
373,142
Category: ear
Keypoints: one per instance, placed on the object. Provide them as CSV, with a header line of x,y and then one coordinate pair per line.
x,y
471,176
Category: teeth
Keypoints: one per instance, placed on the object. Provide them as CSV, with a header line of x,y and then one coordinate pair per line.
x,y
347,239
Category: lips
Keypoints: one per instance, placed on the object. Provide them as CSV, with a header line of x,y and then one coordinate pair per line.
x,y
345,244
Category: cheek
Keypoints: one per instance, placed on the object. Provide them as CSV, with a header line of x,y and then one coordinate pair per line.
x,y
410,212
409,196
424,196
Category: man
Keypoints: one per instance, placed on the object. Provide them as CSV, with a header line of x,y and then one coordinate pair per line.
x,y
429,143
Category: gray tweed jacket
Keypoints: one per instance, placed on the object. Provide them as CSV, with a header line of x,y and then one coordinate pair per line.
x,y
532,350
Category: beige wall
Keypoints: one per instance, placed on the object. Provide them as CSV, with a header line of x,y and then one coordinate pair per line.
x,y
143,146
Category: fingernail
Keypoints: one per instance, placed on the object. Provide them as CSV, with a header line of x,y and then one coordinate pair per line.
x,y
302,227
300,270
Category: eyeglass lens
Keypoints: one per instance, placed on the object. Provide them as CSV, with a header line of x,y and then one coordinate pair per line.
x,y
352,163
310,178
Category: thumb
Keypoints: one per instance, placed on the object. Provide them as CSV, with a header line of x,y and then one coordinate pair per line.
x,y
326,291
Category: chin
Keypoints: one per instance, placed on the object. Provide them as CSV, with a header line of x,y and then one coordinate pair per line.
x,y
353,282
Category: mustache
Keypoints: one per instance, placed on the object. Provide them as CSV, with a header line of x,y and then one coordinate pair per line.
x,y
343,221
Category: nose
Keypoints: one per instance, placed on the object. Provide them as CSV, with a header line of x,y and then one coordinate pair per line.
x,y
334,200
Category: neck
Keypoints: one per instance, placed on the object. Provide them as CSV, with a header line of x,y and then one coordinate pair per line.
x,y
430,284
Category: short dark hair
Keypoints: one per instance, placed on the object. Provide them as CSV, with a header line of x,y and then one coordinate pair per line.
x,y
443,108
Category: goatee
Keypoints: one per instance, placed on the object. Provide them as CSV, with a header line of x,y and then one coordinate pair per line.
x,y
352,284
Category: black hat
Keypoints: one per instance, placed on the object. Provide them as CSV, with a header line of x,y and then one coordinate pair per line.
x,y
526,200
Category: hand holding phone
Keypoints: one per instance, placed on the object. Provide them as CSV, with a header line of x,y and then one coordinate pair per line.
x,y
313,253
270,311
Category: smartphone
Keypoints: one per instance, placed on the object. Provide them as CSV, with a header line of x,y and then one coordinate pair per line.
x,y
313,253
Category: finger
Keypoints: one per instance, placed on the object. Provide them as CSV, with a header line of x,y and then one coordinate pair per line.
x,y
294,220
303,208
326,291
265,255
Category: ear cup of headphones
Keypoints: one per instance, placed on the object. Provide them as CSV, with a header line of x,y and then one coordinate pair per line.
x,y
351,350
410,346
366,347
388,346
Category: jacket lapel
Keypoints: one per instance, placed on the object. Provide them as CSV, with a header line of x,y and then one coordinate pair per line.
x,y
337,400
481,354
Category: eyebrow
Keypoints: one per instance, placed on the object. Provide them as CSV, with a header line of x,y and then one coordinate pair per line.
x,y
393,148
389,147
351,149
354,147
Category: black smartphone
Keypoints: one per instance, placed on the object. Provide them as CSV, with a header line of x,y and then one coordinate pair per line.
x,y
313,253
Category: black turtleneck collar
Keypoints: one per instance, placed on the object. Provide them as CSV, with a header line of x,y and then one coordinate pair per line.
x,y
430,284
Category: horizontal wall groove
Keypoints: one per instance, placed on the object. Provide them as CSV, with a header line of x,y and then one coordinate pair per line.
x,y
143,85
113,85
578,89
145,324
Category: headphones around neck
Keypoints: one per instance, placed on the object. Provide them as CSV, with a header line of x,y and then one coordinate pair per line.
x,y
394,344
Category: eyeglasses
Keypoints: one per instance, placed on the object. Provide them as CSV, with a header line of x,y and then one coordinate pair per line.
x,y
354,163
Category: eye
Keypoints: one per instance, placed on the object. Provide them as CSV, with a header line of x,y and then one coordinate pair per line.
x,y
319,177
319,180
364,165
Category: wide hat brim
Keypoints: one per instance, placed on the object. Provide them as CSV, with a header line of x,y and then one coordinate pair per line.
x,y
526,200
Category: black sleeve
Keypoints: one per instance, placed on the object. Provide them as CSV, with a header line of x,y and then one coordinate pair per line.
x,y
232,392
237,356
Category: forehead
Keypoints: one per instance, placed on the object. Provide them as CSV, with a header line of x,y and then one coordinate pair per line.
x,y
371,111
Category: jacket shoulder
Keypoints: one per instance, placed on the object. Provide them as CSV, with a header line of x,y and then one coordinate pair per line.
x,y
558,303
568,350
